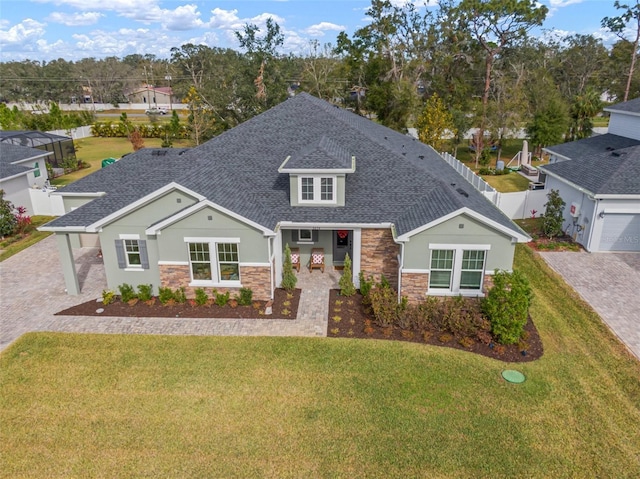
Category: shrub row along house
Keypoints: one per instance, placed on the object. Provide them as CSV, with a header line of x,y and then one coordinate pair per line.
x,y
599,180
305,173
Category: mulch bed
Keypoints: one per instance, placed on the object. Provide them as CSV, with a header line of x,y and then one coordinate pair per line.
x,y
352,316
284,307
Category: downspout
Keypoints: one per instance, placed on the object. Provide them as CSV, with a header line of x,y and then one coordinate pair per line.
x,y
400,267
271,265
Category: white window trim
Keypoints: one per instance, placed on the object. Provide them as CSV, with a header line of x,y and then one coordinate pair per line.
x,y
215,266
458,250
317,181
305,241
136,237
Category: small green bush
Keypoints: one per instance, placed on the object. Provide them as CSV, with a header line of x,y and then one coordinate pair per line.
x,y
347,288
165,295
386,308
201,297
108,296
179,295
222,298
365,285
246,296
127,293
145,292
507,306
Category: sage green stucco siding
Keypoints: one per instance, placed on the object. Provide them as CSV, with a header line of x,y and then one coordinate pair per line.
x,y
325,240
253,246
135,223
340,187
500,256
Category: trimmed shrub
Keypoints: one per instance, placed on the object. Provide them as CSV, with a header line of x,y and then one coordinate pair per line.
x,y
507,306
127,293
245,297
222,298
201,297
289,279
347,288
165,295
145,292
386,308
179,295
365,285
108,296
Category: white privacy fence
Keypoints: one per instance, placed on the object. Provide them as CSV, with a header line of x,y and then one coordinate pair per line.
x,y
518,205
75,133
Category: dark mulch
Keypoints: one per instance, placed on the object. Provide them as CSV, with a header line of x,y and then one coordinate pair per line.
x,y
284,307
352,316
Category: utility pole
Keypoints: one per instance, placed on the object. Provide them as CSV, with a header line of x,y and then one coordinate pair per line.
x,y
146,80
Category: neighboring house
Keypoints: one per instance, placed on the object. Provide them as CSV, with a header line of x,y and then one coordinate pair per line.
x,y
150,95
21,169
305,173
61,147
599,180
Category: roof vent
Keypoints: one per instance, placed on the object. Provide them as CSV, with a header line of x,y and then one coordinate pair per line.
x,y
610,148
421,157
462,192
618,153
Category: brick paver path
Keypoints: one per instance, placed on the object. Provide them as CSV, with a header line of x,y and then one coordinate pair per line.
x,y
610,283
32,290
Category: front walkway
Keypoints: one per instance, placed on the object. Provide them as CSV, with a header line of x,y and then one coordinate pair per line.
x,y
32,290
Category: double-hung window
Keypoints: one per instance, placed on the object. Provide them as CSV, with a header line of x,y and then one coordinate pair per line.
x,y
317,189
457,269
214,261
131,252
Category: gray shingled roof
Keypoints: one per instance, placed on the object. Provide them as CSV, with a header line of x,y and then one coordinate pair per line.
x,y
325,154
10,154
631,106
592,146
603,173
397,179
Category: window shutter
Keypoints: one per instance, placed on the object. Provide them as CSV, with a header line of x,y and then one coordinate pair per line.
x,y
314,235
144,256
122,263
294,235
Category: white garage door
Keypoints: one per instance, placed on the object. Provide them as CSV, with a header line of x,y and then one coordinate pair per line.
x,y
620,232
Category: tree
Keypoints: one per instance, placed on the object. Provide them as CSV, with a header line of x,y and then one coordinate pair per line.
x,y
289,279
618,25
434,123
496,24
201,120
584,108
548,125
135,137
553,217
8,221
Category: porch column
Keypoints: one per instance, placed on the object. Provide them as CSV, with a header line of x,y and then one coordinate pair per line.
x,y
357,251
68,264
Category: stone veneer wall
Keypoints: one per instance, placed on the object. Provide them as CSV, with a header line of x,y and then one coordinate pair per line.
x,y
379,255
414,286
487,283
255,278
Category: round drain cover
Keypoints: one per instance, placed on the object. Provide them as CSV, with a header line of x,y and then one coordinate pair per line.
x,y
513,376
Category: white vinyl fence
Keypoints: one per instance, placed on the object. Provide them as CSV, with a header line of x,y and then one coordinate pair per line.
x,y
518,205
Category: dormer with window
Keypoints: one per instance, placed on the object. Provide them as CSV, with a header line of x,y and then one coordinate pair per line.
x,y
317,174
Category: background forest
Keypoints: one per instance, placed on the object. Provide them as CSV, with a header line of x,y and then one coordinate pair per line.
x,y
474,63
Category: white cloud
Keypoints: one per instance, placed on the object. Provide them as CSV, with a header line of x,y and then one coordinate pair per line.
x,y
318,29
75,19
26,31
563,3
185,17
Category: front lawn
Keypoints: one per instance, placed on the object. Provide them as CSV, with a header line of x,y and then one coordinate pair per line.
x,y
132,406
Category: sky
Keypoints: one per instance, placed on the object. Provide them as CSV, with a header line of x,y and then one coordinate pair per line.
x,y
45,30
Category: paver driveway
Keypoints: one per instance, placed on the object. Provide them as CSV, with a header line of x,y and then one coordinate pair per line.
x,y
610,283
32,290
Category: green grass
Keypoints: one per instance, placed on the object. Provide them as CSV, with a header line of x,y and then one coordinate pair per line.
x,y
13,245
507,183
93,150
153,406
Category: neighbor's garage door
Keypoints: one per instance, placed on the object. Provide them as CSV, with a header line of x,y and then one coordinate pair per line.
x,y
620,232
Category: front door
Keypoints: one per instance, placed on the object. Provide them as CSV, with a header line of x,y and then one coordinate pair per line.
x,y
342,244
